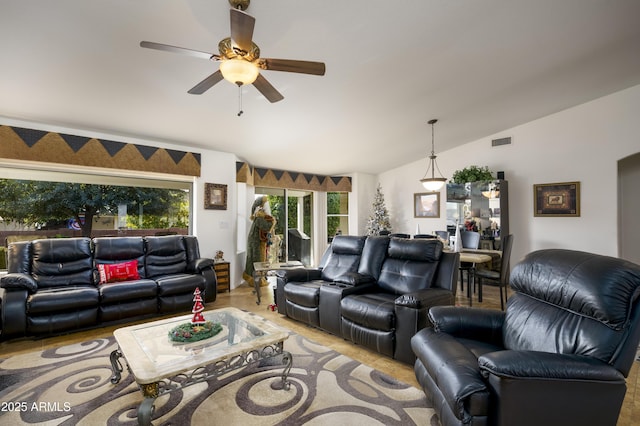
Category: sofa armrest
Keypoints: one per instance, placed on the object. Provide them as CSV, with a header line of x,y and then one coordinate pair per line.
x,y
545,365
426,298
204,267
454,370
283,276
199,265
354,279
19,281
298,274
411,316
470,323
14,312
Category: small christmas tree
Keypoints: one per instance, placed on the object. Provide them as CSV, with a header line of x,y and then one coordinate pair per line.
x,y
198,328
198,307
379,220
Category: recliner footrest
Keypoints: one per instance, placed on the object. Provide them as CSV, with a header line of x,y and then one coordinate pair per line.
x,y
303,294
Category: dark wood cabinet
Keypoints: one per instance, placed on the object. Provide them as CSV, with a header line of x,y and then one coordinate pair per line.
x,y
223,276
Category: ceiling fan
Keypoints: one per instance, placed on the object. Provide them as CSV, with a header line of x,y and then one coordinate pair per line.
x,y
239,57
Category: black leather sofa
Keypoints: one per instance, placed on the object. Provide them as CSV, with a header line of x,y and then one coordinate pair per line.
x,y
373,291
559,355
53,285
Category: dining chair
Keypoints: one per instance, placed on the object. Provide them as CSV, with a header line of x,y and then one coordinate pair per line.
x,y
484,276
470,240
443,234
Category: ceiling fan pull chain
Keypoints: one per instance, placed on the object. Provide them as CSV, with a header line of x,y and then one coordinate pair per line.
x,y
240,111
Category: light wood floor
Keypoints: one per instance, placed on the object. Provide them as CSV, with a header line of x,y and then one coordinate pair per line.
x,y
242,298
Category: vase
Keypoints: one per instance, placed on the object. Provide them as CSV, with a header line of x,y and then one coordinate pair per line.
x,y
457,245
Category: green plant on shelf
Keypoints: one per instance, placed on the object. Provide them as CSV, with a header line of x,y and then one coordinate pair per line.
x,y
472,174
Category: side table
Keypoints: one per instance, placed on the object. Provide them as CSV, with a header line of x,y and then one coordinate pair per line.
x,y
222,270
261,269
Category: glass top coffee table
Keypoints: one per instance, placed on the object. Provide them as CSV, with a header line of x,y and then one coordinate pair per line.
x,y
159,365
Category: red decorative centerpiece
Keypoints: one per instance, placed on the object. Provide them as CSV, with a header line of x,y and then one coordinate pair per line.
x,y
198,328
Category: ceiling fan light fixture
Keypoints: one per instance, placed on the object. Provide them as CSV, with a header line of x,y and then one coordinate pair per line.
x,y
433,183
239,71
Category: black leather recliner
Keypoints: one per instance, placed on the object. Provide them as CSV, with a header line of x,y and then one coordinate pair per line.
x,y
384,316
301,301
374,291
559,355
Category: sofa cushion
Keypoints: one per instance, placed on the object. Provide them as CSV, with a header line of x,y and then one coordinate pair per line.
x,y
179,284
373,255
128,291
109,250
561,291
344,258
583,283
166,255
373,311
62,262
304,294
401,277
61,299
115,272
417,250
411,265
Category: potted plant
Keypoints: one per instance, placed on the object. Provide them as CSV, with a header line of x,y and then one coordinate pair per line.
x,y
472,174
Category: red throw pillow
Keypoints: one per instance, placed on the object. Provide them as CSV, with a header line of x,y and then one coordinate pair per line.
x,y
114,272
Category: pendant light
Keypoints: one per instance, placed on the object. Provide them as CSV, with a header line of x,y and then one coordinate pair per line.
x,y
433,183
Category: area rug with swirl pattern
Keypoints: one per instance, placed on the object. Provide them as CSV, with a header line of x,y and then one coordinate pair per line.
x,y
70,385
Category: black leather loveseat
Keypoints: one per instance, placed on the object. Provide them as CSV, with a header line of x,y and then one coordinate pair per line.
x,y
373,291
54,285
559,355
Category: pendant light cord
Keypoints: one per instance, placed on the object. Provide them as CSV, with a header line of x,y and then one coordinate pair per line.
x,y
240,111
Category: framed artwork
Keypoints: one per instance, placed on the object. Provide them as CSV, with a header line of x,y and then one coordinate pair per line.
x,y
426,204
215,196
556,199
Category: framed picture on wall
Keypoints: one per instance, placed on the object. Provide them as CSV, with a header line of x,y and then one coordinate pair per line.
x,y
215,196
426,204
556,199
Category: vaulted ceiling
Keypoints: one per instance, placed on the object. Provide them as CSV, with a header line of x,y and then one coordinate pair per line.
x,y
479,66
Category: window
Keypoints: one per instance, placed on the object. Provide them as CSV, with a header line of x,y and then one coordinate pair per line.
x,y
337,214
51,203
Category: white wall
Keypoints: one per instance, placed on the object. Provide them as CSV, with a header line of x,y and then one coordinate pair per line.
x,y
583,144
361,197
216,229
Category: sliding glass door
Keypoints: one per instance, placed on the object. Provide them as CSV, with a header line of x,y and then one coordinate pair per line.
x,y
292,237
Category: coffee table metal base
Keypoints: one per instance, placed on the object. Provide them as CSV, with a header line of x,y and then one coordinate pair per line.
x,y
272,355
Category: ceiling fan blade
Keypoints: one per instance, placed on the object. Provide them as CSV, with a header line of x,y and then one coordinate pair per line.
x,y
267,90
303,67
175,49
242,29
206,84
